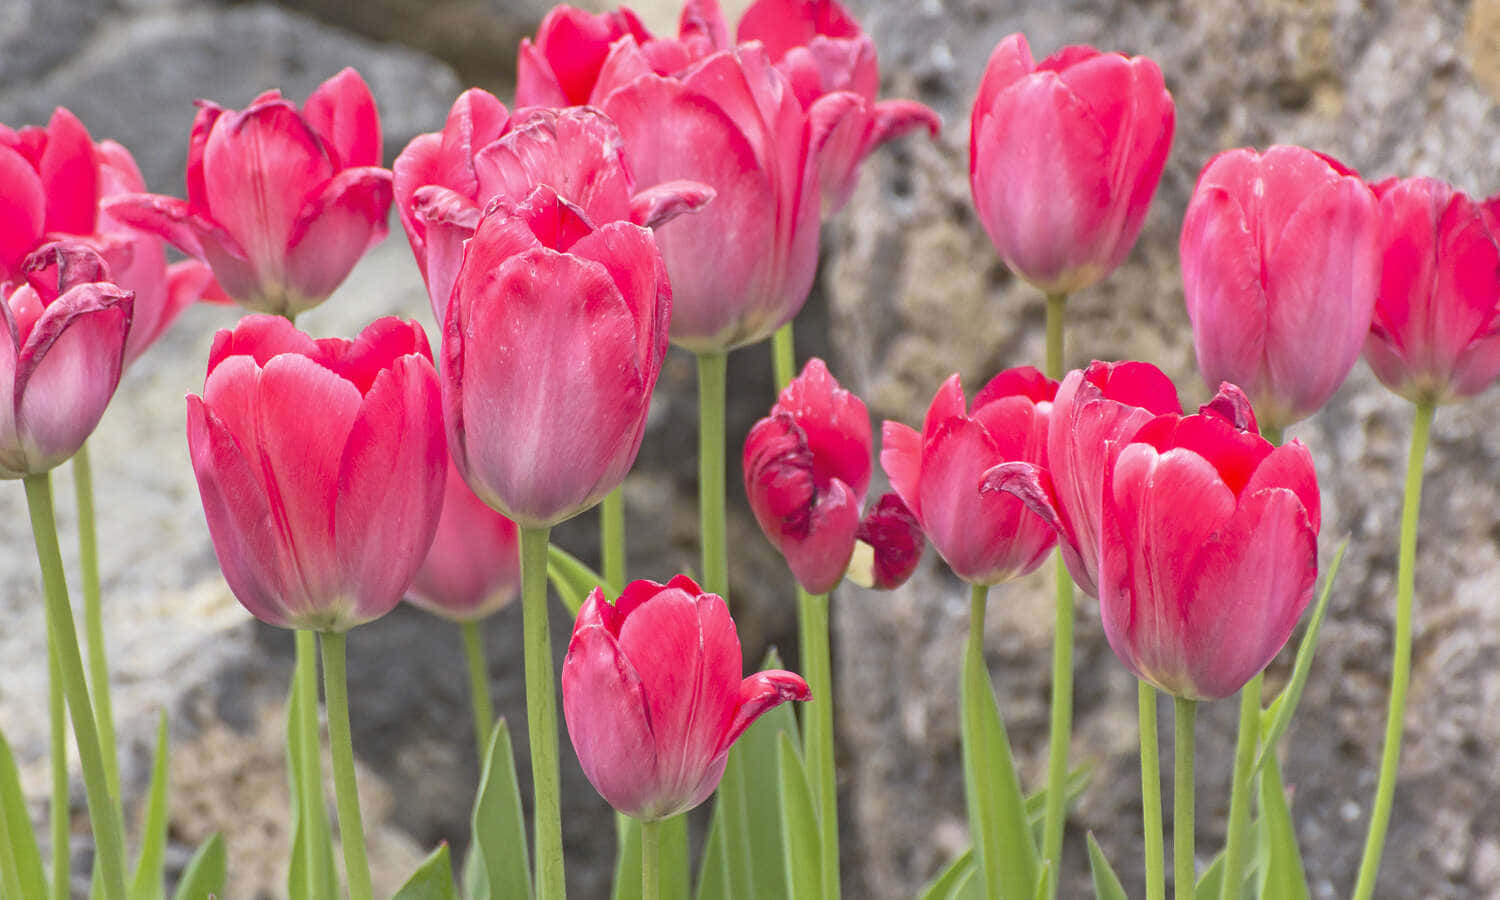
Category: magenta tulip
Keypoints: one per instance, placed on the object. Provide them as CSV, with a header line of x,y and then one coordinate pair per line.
x,y
985,538
281,203
1434,335
807,466
60,358
474,566
1064,156
653,695
560,67
1280,268
888,545
552,344
320,464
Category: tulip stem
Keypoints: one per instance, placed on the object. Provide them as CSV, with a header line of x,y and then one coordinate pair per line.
x,y
650,860
711,387
1061,727
812,628
63,636
612,539
1156,876
341,746
1236,849
1184,866
1395,715
314,813
783,357
93,618
1056,305
541,714
57,708
479,686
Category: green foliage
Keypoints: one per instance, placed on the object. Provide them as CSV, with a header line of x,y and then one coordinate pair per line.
x,y
433,880
498,866
800,841
21,870
205,872
1106,883
573,580
1003,843
147,884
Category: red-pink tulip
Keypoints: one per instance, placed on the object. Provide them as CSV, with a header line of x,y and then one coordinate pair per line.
x,y
888,545
985,538
1064,156
653,695
281,202
560,67
1208,551
60,357
552,344
807,466
474,566
1280,267
1435,336
320,465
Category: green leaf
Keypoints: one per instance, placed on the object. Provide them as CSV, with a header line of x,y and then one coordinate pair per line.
x,y
573,580
713,872
1278,716
1003,842
1212,879
800,842
499,866
148,882
297,872
1036,803
205,872
20,860
672,859
433,880
1282,875
1044,881
945,886
1106,883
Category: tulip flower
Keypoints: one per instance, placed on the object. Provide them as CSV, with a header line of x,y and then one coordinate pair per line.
x,y
60,358
281,202
474,566
1064,156
320,465
1208,551
888,545
653,695
1433,338
1280,268
560,67
807,466
985,538
552,344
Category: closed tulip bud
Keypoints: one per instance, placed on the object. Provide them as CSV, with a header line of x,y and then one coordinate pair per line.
x,y
1435,336
1280,266
985,538
320,465
1064,156
60,356
888,545
552,344
807,466
654,697
474,566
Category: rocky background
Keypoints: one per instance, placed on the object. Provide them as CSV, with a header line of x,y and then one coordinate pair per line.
x,y
910,290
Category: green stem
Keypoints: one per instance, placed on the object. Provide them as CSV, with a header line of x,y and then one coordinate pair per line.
x,y
1156,876
541,715
1236,847
1062,722
711,377
783,357
650,860
93,619
1056,304
612,537
1184,869
341,747
991,870
978,596
314,812
817,667
57,708
1395,714
479,687
62,634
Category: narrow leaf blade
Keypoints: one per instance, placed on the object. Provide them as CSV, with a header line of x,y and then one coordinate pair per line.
x,y
573,580
499,864
205,872
1284,876
947,882
1003,842
19,856
1106,883
433,879
800,840
148,884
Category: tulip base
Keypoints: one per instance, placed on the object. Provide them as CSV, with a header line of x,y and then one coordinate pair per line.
x,y
1185,871
341,746
541,714
1155,850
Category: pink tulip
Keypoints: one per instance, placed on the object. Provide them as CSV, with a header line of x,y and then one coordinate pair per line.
x,y
1064,156
1435,336
895,543
1208,551
320,465
444,182
474,566
552,344
1280,268
807,466
560,67
61,356
654,698
985,538
281,203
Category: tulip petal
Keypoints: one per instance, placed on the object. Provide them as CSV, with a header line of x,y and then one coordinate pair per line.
x,y
23,211
69,171
343,114
819,560
901,460
661,204
609,721
759,694
168,218
335,228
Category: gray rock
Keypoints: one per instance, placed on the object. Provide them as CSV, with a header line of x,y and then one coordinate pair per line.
x,y
36,35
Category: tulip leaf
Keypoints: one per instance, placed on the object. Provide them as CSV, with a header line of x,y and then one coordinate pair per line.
x,y
946,884
1044,882
433,880
1036,803
205,873
21,873
672,859
297,872
1276,719
1281,873
1106,883
713,871
147,884
1003,843
799,835
498,865
573,580
1212,879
